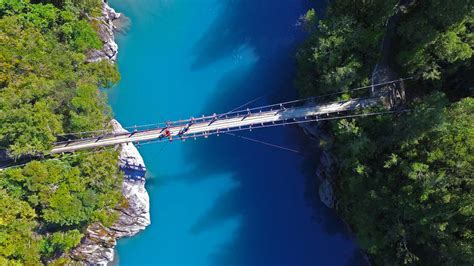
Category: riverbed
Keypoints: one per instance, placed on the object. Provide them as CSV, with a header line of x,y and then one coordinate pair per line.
x,y
221,200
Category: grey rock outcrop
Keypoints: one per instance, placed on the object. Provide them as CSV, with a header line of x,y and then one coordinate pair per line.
x,y
106,33
136,216
97,247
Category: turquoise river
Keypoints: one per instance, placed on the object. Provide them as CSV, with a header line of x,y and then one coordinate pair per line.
x,y
221,200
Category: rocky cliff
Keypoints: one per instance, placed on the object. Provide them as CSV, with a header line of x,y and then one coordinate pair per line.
x,y
97,247
106,33
325,164
136,216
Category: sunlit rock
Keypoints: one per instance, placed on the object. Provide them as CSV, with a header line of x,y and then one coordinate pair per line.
x,y
97,247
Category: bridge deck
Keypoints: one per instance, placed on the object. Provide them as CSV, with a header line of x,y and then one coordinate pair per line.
x,y
214,125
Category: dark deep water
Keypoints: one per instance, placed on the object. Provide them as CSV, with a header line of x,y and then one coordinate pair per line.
x,y
222,200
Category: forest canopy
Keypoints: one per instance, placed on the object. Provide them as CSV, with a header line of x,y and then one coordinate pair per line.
x,y
405,182
47,88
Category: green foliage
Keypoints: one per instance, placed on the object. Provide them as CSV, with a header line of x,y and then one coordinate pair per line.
x,y
418,199
47,88
83,37
436,38
336,55
87,108
64,194
83,6
404,182
18,244
309,19
70,192
61,242
79,7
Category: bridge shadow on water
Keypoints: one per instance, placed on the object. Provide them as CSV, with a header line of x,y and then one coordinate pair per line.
x,y
274,227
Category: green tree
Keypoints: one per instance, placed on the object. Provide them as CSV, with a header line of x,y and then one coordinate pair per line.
x,y
18,244
417,201
60,242
436,38
51,90
404,181
47,88
340,48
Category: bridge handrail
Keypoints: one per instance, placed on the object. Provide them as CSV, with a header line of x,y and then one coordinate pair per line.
x,y
266,125
210,117
235,115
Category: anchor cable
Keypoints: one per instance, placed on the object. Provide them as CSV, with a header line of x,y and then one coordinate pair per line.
x,y
264,143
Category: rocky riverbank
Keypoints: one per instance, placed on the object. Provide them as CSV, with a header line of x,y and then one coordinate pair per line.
x,y
106,26
97,247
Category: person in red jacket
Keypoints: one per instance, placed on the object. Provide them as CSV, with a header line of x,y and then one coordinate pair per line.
x,y
167,133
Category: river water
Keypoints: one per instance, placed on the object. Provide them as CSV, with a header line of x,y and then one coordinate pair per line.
x,y
222,200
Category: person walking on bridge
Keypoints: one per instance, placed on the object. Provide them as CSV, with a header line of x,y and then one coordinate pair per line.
x,y
214,119
167,133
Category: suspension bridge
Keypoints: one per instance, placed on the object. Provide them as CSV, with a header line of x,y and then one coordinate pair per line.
x,y
299,111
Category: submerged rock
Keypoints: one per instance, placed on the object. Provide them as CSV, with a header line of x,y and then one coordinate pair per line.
x,y
97,247
326,193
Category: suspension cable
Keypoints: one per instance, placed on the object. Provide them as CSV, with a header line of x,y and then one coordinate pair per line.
x,y
207,134
236,110
241,106
263,142
231,134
